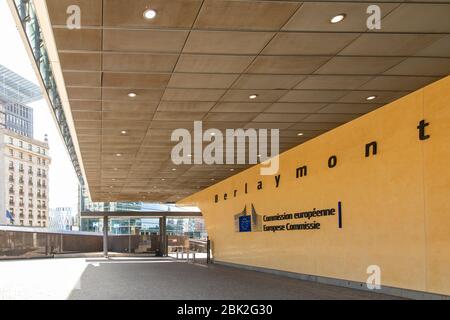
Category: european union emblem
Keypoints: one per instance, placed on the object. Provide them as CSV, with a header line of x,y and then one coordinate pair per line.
x,y
245,224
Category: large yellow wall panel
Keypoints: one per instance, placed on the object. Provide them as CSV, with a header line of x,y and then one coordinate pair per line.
x,y
395,205
437,186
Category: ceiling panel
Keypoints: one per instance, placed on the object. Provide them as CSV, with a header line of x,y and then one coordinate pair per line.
x,y
227,42
248,15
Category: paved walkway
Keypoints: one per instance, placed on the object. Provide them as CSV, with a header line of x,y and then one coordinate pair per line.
x,y
153,278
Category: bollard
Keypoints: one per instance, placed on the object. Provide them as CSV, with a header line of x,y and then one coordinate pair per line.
x,y
193,257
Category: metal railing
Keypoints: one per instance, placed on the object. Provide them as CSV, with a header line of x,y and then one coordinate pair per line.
x,y
24,242
194,251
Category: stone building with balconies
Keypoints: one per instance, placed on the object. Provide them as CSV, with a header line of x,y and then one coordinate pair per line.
x,y
24,164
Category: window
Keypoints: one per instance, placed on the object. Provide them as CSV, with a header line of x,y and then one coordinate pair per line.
x,y
11,140
11,152
30,158
30,147
21,144
30,223
21,155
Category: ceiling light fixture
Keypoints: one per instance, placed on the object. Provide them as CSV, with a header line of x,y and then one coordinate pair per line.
x,y
132,95
300,134
149,14
253,96
371,98
338,18
123,132
118,154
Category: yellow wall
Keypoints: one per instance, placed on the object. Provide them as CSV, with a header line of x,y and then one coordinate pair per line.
x,y
396,205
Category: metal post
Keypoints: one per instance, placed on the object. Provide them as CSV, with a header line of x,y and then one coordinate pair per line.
x,y
208,251
162,236
105,236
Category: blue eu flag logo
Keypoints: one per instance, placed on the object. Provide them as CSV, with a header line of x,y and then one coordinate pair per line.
x,y
245,224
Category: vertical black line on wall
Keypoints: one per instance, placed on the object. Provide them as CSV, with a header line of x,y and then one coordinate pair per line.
x,y
340,214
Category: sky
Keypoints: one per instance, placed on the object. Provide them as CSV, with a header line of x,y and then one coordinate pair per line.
x,y
63,182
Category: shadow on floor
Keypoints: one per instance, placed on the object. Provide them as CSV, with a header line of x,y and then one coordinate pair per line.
x,y
164,278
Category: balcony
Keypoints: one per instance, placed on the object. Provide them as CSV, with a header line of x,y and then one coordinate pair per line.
x,y
44,175
44,206
39,195
30,205
44,217
21,192
39,206
11,191
12,203
21,181
39,184
30,171
21,170
39,174
22,216
22,204
30,194
11,168
30,181
11,179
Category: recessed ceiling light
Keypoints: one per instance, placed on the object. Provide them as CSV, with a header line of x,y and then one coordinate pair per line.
x,y
231,169
132,95
338,18
149,14
163,179
113,179
174,169
123,132
115,169
213,133
300,134
118,154
253,96
371,98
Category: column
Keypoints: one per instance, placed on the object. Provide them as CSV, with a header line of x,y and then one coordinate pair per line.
x,y
105,236
162,236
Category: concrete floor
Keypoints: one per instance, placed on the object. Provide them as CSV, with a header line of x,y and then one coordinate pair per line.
x,y
127,278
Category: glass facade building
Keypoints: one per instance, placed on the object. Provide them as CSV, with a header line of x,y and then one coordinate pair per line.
x,y
19,119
